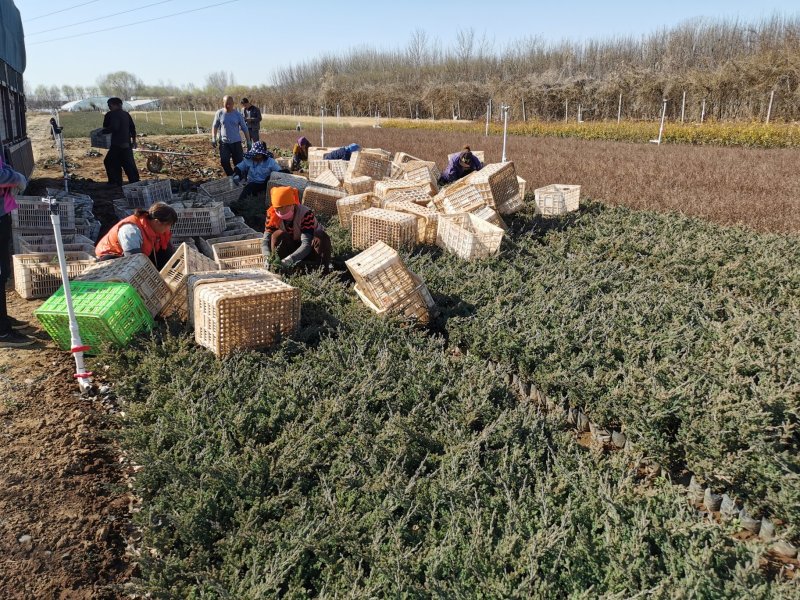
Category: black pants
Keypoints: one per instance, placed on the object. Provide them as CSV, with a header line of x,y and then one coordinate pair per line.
x,y
253,189
5,270
226,152
118,160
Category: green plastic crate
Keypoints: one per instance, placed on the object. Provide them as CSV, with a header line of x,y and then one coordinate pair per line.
x,y
107,312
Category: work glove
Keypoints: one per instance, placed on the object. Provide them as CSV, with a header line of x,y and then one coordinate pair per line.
x,y
287,263
236,180
214,144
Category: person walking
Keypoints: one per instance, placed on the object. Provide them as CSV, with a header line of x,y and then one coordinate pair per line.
x,y
9,181
119,158
252,116
225,130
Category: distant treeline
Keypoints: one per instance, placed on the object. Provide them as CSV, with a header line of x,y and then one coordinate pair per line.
x,y
728,70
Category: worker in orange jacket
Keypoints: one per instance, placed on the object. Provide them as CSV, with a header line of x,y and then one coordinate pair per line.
x,y
147,232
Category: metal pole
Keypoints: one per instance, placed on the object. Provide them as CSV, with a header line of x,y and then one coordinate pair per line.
x,y
488,108
619,110
57,136
76,345
196,124
769,108
504,108
683,106
566,109
161,114
322,121
661,128
180,112
703,111
523,111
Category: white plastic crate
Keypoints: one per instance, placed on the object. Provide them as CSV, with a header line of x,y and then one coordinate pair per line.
x,y
557,199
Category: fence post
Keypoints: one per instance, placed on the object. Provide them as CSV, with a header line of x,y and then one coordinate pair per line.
x,y
196,124
703,111
769,108
683,106
488,108
619,110
566,110
523,111
180,112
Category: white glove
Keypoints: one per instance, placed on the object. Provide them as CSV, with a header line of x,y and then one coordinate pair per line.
x,y
287,262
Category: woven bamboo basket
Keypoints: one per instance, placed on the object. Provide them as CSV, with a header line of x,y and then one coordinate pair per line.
x,y
497,183
198,279
184,262
522,185
399,230
557,199
386,285
239,254
359,185
417,195
459,197
373,164
417,304
322,200
138,271
33,216
423,172
39,275
490,215
327,178
388,186
512,206
349,205
468,236
317,167
206,245
317,153
142,194
427,219
244,314
403,157
221,190
26,243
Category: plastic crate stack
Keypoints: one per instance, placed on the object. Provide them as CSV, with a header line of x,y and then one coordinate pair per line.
x,y
86,224
387,286
235,230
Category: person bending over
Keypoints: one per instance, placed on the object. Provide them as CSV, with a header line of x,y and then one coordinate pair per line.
x,y
147,232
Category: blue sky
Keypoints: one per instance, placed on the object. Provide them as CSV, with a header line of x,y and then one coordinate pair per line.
x,y
251,38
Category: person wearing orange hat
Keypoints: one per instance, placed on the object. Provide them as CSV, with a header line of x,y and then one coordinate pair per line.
x,y
293,232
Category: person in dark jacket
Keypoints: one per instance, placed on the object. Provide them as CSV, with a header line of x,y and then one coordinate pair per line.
x,y
120,125
300,152
342,153
460,165
252,116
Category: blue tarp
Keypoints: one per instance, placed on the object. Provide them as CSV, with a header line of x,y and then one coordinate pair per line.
x,y
12,38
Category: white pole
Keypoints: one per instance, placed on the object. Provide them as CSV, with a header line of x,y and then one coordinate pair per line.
x,y
196,124
390,110
683,106
504,108
580,114
488,108
180,112
76,345
147,115
703,111
523,111
619,110
566,110
661,128
322,122
769,108
161,114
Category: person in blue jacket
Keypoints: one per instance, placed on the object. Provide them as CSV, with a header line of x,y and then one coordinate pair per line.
x,y
257,166
460,165
342,153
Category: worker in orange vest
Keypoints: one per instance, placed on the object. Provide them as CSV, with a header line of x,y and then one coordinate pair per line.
x,y
145,232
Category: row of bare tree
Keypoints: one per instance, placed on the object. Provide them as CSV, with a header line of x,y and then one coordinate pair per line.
x,y
705,69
